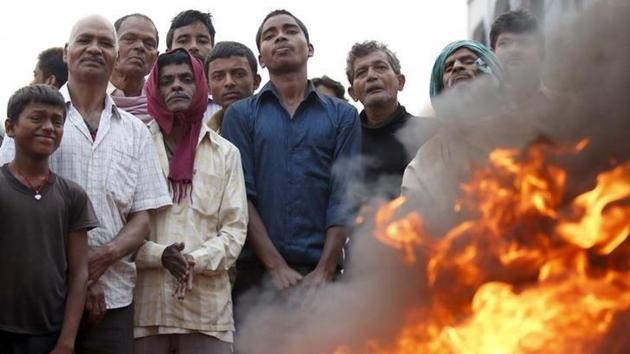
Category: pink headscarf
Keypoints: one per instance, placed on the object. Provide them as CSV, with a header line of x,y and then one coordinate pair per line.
x,y
181,168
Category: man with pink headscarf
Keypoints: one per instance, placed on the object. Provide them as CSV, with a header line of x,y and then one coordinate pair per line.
x,y
183,302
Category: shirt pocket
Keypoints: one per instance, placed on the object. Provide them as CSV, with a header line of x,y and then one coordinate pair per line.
x,y
207,193
121,179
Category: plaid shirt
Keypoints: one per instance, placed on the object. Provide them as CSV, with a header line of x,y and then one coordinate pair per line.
x,y
119,171
212,223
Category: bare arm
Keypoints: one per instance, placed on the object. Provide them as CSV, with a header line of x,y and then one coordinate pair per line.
x,y
282,275
77,286
327,265
128,240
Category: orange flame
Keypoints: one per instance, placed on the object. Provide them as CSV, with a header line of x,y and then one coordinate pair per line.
x,y
527,272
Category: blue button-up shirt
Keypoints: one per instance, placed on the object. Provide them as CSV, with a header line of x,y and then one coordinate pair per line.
x,y
297,169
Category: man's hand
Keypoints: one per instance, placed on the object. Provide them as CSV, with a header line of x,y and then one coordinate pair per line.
x,y
95,306
99,259
175,261
284,277
317,277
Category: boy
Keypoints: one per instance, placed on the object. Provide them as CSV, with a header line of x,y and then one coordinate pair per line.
x,y
43,232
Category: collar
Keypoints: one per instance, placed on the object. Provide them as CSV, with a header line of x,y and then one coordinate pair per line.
x,y
399,113
270,90
109,102
204,132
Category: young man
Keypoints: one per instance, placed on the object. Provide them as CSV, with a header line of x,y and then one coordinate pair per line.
x,y
519,43
50,68
193,31
232,74
109,153
195,241
375,78
293,143
137,50
43,232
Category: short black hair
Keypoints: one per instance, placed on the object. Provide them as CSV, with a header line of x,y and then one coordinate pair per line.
x,y
517,21
188,17
360,50
336,86
50,62
36,93
178,56
277,13
227,49
120,21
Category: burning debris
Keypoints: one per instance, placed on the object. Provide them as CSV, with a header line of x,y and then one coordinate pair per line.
x,y
525,274
538,260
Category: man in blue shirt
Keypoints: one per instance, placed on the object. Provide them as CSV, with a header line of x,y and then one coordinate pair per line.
x,y
297,147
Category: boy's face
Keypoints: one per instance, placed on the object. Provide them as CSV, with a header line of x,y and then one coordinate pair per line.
x,y
38,130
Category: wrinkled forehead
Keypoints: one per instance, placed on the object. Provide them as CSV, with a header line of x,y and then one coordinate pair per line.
x,y
93,26
137,24
173,69
461,53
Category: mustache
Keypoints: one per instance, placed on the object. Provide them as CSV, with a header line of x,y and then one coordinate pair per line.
x,y
177,95
93,58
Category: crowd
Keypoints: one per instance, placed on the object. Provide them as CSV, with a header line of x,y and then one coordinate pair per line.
x,y
143,195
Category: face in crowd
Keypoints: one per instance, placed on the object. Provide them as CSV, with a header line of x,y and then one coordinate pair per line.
x,y
520,54
460,67
195,38
283,44
138,45
231,79
177,86
375,83
91,51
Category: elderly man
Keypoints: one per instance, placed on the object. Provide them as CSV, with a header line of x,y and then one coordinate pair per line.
x,y
50,68
455,68
138,47
194,242
109,153
193,30
232,74
375,78
432,179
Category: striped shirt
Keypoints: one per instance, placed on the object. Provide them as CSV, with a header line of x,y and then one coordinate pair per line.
x,y
212,222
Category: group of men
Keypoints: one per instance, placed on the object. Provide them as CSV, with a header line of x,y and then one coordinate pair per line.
x,y
190,175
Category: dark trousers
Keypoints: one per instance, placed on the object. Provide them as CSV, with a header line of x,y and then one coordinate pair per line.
x,y
113,335
14,343
193,343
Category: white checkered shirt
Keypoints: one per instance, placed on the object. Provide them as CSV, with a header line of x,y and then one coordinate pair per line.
x,y
121,174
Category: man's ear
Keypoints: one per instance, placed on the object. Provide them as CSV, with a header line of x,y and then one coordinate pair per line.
x,y
257,80
261,62
311,50
51,80
352,94
8,127
401,81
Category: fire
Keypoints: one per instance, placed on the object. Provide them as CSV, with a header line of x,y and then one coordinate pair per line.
x,y
526,271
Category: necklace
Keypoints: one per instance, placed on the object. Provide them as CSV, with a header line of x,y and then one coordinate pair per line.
x,y
37,191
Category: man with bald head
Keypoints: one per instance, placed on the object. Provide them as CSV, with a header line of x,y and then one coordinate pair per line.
x,y
109,153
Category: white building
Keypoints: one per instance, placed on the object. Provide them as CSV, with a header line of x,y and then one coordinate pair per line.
x,y
481,13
